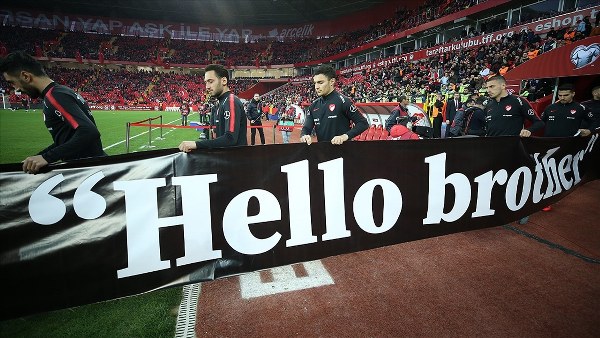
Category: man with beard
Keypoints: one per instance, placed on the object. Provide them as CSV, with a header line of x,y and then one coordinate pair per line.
x,y
506,114
66,114
228,115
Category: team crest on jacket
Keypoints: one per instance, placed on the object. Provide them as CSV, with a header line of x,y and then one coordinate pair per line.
x,y
331,107
573,111
508,108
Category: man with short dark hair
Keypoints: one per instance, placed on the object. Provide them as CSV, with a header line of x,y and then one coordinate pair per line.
x,y
506,113
332,113
474,119
66,114
227,116
564,117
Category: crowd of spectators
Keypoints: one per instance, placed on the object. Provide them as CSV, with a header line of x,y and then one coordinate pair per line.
x,y
103,86
166,51
83,46
463,70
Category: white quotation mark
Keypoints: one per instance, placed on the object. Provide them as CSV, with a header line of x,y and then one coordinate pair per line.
x,y
46,209
88,204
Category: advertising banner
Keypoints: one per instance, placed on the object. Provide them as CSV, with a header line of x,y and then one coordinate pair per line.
x,y
99,229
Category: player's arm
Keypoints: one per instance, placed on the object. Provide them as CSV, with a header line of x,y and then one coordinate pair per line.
x,y
360,122
307,128
529,113
392,120
592,123
86,132
544,116
249,111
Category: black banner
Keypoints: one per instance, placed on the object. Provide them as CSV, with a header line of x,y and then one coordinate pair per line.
x,y
95,230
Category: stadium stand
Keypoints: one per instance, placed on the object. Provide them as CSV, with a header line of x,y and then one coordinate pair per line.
x,y
463,71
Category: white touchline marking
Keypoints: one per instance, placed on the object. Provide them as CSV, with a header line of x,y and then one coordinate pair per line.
x,y
186,316
285,280
140,134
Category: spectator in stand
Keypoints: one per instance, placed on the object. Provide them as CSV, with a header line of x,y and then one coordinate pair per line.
x,y
228,116
596,30
580,27
593,107
66,115
437,115
569,35
254,114
399,115
506,113
332,113
588,26
549,44
452,106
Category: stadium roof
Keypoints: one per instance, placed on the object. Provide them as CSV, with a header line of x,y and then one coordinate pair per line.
x,y
209,12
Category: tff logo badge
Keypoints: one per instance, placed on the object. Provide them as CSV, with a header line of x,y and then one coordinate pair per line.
x,y
582,56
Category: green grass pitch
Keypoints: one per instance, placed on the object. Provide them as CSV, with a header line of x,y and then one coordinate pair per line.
x,y
23,133
152,314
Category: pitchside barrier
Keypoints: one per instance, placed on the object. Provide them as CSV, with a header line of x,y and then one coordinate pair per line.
x,y
376,114
193,125
144,123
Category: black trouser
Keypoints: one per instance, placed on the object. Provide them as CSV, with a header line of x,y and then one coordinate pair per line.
x,y
437,126
253,131
184,120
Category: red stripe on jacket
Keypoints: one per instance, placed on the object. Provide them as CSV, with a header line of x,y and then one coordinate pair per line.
x,y
61,109
231,114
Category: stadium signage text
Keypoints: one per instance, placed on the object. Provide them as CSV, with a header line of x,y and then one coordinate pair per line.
x,y
143,227
152,29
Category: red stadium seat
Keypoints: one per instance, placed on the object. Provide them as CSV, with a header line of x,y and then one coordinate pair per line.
x,y
370,133
384,135
362,136
378,133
